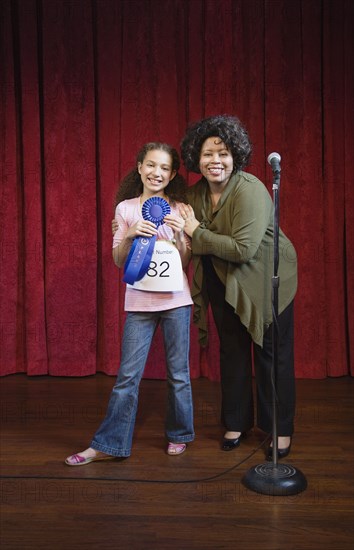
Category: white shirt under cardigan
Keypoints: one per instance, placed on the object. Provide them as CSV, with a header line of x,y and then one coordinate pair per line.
x,y
127,214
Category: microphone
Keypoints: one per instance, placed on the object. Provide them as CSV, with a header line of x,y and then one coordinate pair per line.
x,y
274,160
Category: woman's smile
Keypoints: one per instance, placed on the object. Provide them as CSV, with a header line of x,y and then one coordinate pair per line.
x,y
216,162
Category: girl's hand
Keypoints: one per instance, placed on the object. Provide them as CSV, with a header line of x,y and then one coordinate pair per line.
x,y
142,228
190,221
176,223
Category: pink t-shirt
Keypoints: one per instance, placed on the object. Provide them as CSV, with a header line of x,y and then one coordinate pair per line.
x,y
127,214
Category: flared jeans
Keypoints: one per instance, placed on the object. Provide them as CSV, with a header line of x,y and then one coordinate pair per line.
x,y
115,434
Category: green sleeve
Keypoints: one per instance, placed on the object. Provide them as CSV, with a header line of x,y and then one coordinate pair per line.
x,y
239,227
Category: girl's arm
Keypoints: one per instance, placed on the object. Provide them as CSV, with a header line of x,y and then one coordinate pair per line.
x,y
176,223
121,251
122,242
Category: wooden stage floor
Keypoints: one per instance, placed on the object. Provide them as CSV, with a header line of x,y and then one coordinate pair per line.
x,y
133,504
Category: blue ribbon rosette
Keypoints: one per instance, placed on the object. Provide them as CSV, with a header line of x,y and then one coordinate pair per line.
x,y
137,263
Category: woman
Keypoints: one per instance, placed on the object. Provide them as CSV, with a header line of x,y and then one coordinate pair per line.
x,y
154,179
230,221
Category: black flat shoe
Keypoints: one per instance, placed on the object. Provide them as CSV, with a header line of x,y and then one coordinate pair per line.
x,y
282,453
230,444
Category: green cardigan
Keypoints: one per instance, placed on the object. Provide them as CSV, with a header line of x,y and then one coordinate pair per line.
x,y
239,237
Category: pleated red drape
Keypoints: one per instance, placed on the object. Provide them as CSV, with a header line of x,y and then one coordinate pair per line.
x,y
85,83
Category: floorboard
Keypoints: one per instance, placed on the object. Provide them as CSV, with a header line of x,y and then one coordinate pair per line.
x,y
151,500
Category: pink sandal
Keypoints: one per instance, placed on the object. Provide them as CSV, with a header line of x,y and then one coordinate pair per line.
x,y
176,448
78,460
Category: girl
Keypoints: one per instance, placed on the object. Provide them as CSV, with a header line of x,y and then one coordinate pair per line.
x,y
147,305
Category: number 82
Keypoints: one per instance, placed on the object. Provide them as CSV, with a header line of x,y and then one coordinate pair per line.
x,y
153,272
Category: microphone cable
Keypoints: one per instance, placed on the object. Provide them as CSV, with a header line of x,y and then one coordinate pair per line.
x,y
133,480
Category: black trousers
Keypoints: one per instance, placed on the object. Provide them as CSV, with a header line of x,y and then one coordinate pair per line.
x,y
236,347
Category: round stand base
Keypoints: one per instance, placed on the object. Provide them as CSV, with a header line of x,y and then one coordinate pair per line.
x,y
275,480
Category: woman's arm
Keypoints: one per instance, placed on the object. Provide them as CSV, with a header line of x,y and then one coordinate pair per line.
x,y
249,217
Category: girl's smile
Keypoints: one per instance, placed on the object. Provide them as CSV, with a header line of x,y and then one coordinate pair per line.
x,y
156,172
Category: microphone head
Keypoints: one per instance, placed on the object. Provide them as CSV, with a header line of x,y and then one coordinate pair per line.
x,y
274,156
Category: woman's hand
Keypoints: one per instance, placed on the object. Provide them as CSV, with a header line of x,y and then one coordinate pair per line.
x,y
190,221
114,226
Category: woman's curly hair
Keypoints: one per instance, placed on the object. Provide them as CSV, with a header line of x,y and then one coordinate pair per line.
x,y
228,128
131,186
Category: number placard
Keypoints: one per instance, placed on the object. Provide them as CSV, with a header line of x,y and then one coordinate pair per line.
x,y
165,273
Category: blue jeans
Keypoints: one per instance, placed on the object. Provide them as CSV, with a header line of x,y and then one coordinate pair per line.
x,y
114,436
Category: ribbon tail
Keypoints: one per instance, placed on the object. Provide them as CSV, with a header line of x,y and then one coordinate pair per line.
x,y
138,260
147,259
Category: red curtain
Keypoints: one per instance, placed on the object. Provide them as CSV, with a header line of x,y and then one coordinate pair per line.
x,y
85,83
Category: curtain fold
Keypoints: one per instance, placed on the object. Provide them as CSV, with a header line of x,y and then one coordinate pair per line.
x,y
86,82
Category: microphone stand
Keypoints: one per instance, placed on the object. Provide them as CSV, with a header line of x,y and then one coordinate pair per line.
x,y
271,478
